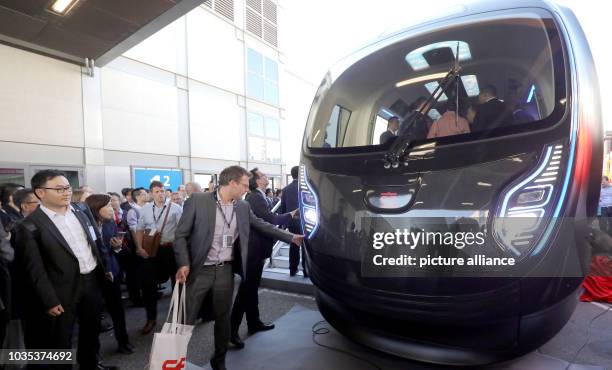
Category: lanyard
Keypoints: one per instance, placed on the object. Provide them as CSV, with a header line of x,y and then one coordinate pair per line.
x,y
161,213
228,223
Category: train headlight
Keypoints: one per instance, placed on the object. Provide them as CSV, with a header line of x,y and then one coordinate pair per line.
x,y
527,205
309,205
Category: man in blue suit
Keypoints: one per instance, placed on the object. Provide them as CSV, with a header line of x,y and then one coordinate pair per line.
x,y
290,202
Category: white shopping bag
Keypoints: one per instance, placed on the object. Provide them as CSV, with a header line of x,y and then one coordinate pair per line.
x,y
169,350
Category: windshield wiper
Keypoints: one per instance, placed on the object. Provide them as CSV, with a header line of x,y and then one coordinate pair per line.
x,y
398,151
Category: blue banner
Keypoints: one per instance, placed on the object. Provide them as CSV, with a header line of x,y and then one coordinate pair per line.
x,y
170,178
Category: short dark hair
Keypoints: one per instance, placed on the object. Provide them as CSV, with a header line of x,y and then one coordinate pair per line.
x,y
156,184
295,172
253,178
7,191
136,192
96,202
40,178
125,191
232,173
277,192
21,195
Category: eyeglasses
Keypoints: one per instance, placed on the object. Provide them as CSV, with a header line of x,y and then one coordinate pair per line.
x,y
61,190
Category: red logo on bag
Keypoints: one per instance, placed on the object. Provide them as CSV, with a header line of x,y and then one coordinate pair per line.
x,y
174,364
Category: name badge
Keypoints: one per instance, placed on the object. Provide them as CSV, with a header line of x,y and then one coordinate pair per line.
x,y
152,232
92,232
227,240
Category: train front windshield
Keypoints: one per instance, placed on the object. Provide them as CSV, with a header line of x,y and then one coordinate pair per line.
x,y
510,62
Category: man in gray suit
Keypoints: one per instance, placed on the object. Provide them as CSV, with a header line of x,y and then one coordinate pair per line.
x,y
211,243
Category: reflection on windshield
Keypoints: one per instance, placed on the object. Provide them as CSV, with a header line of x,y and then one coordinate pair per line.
x,y
507,80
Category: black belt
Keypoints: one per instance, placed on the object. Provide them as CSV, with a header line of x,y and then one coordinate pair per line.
x,y
219,264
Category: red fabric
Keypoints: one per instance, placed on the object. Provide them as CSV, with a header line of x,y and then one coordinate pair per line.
x,y
598,284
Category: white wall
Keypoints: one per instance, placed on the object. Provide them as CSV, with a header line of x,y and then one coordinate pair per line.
x,y
138,114
40,99
215,119
164,49
215,54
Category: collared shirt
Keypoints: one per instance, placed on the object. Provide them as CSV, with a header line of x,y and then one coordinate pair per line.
x,y
152,217
217,252
74,234
133,215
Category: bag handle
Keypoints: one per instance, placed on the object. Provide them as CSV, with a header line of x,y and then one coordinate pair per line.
x,y
178,307
165,219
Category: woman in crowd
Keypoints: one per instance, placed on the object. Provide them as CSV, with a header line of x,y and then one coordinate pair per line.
x,y
110,243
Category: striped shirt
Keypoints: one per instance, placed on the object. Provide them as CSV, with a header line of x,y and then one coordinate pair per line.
x,y
72,231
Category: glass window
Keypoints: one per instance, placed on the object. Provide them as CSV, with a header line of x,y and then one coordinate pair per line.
x,y
335,129
271,92
256,124
380,126
272,128
508,80
262,78
271,70
255,86
255,61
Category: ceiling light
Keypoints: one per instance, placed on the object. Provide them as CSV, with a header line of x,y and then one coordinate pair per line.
x,y
433,76
62,6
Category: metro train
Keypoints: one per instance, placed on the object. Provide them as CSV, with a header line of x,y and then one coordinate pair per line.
x,y
495,128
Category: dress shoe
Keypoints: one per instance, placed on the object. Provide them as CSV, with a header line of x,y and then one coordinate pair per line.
x,y
260,327
292,273
126,348
149,326
236,341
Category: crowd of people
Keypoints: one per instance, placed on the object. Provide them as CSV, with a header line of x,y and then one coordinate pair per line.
x,y
489,112
66,255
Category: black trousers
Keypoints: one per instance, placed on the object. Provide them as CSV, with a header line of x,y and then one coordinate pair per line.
x,y
247,299
130,264
43,331
295,250
294,259
114,305
219,282
153,271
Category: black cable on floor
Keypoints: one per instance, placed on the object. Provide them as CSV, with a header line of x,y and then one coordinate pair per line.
x,y
588,336
322,331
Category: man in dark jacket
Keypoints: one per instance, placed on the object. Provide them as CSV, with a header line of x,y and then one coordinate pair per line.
x,y
392,127
56,246
290,202
260,248
491,112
